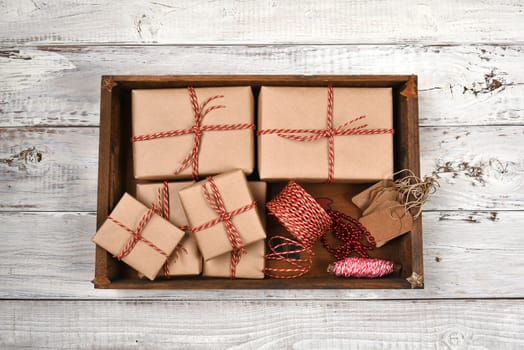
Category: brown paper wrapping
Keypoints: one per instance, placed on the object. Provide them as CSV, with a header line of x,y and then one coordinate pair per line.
x,y
358,158
189,262
252,264
158,231
235,193
156,110
388,223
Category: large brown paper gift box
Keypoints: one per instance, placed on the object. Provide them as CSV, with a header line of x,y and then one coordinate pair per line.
x,y
189,259
358,158
251,264
142,257
163,110
234,191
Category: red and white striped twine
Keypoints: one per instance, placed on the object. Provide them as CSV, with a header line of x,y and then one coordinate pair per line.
x,y
136,235
163,210
215,202
330,132
361,268
199,113
305,220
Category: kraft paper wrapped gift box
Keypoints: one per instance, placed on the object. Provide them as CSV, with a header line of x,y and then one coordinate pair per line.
x,y
251,264
158,238
234,193
363,154
188,260
163,138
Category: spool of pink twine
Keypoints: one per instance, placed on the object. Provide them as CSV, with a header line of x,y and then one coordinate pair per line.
x,y
361,268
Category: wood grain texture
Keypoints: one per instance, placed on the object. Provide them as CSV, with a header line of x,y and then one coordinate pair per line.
x,y
55,169
45,169
458,85
261,22
466,255
262,325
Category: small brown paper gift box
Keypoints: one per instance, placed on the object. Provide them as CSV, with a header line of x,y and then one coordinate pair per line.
x,y
388,223
210,228
186,259
165,140
251,264
295,139
158,238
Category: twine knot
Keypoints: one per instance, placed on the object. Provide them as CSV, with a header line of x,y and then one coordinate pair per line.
x,y
225,216
196,130
330,132
136,235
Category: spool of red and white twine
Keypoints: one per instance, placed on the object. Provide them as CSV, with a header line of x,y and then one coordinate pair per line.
x,y
361,268
306,220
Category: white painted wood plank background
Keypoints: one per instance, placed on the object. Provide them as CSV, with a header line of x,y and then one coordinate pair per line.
x,y
458,85
468,56
262,22
453,324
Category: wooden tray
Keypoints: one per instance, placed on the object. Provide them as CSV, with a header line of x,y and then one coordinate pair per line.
x,y
115,177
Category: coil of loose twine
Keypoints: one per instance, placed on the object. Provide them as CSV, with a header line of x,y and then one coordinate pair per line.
x,y
413,191
305,220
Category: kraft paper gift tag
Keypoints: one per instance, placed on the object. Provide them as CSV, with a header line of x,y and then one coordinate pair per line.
x,y
155,111
235,194
388,223
364,198
252,264
159,232
186,259
386,195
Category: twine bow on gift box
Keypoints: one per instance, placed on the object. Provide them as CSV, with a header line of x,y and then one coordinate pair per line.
x,y
330,132
136,235
200,111
215,202
162,209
